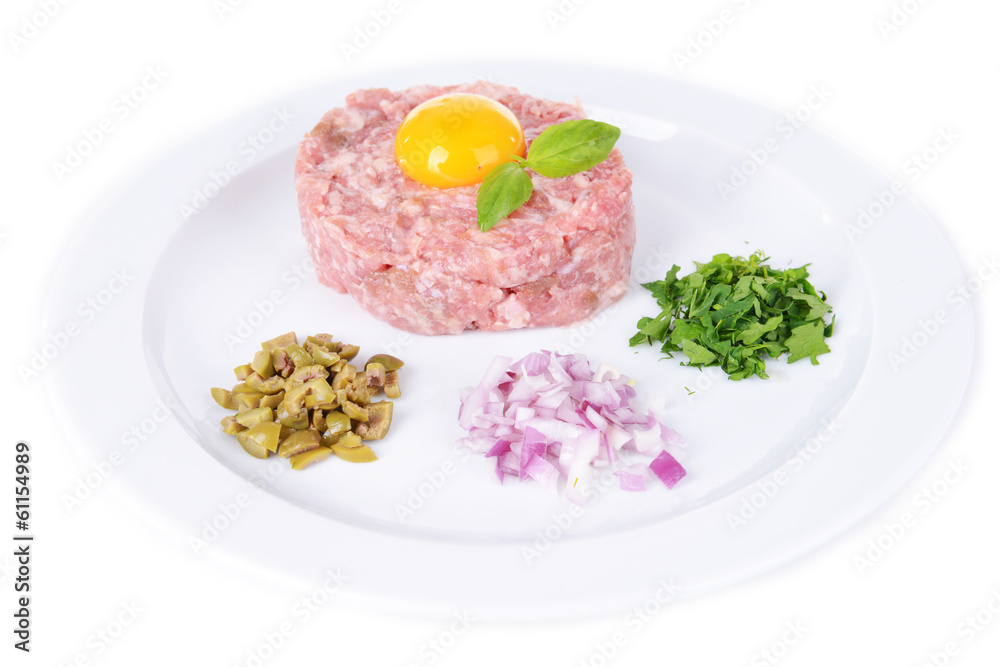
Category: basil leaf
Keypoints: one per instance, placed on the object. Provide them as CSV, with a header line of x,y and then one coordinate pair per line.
x,y
571,147
504,190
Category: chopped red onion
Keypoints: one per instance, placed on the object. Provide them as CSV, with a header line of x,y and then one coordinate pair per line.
x,y
547,416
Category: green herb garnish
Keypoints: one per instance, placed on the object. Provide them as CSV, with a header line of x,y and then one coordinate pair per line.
x,y
504,190
731,312
560,150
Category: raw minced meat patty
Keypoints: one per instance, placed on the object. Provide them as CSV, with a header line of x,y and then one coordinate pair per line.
x,y
413,255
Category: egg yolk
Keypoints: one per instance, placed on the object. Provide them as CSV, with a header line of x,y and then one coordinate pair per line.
x,y
456,139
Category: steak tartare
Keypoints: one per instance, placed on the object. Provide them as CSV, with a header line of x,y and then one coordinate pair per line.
x,y
413,255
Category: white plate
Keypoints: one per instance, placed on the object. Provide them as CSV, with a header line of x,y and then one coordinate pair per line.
x,y
236,270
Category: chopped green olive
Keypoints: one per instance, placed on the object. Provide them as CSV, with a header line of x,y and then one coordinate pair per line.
x,y
271,385
344,377
350,441
314,343
225,398
318,389
305,460
375,374
299,420
337,422
249,399
262,364
251,447
283,365
377,425
299,442
299,356
230,426
329,439
254,416
273,400
279,342
392,384
324,357
359,392
354,411
318,420
362,454
264,434
389,362
348,351
306,373
319,393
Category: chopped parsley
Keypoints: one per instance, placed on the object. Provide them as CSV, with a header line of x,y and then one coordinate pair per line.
x,y
734,312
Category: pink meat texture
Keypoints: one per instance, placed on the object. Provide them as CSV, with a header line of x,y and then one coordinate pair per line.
x,y
413,255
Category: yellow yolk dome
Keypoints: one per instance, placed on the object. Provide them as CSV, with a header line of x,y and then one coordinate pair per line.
x,y
456,139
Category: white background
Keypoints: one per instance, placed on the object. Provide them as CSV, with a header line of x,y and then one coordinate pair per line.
x,y
893,91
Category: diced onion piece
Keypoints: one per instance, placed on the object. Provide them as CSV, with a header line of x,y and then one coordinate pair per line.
x,y
618,437
648,440
499,449
542,472
606,371
632,478
667,469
